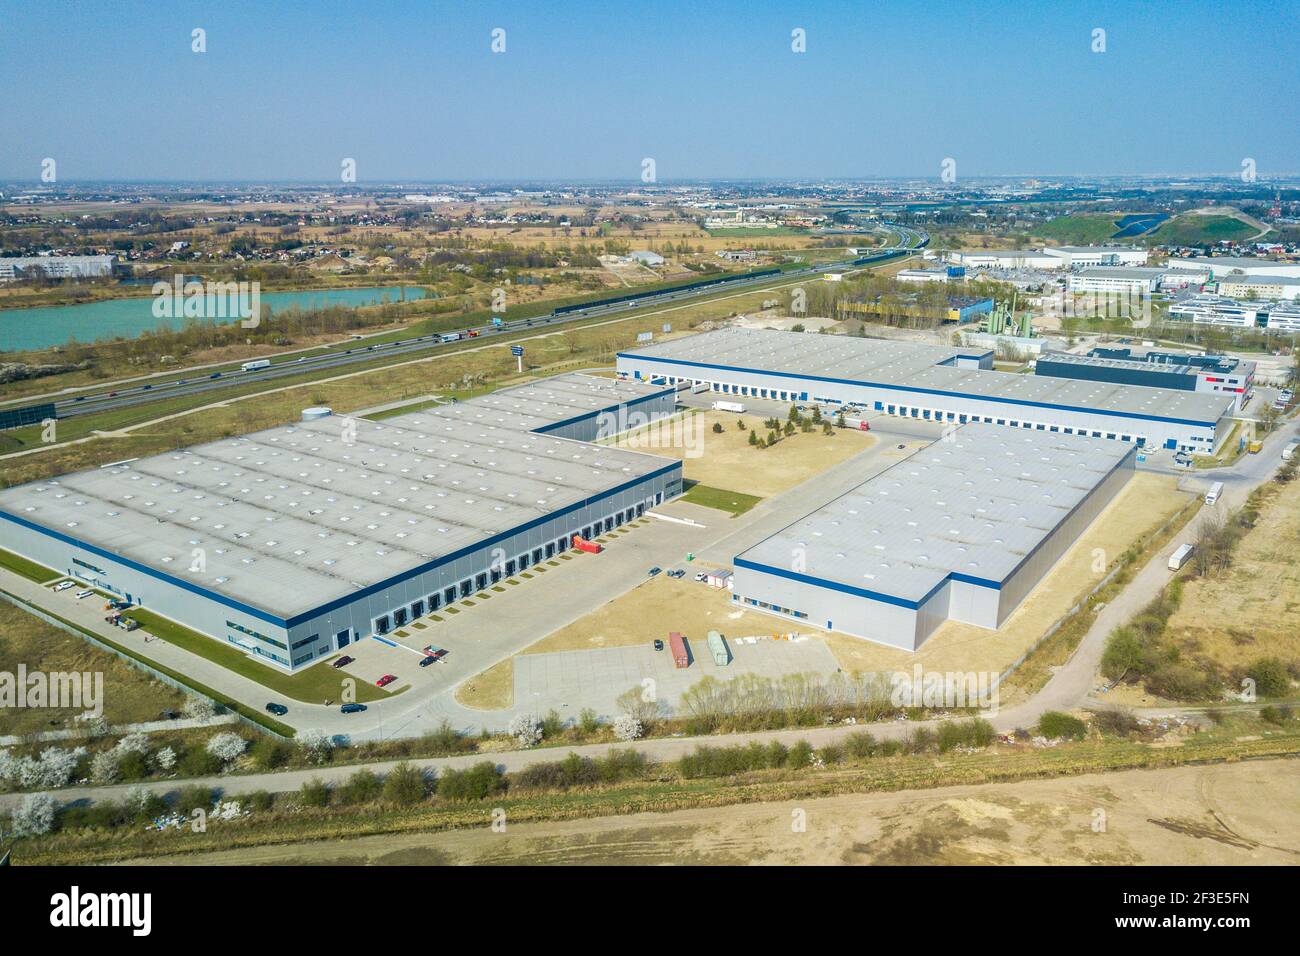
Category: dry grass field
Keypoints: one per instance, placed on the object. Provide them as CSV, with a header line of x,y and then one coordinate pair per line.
x,y
1252,610
729,461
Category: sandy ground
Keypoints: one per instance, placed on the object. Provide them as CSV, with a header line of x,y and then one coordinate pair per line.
x,y
1253,610
662,604
727,460
1224,814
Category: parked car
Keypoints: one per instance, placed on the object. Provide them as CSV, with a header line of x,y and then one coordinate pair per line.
x,y
702,576
64,585
85,594
655,570
426,661
343,661
352,708
278,709
117,605
659,645
385,680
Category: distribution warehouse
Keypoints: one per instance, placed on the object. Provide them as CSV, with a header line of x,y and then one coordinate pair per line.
x,y
295,541
961,530
936,383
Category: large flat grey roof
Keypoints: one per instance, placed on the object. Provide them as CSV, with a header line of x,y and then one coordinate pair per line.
x,y
294,516
916,366
975,503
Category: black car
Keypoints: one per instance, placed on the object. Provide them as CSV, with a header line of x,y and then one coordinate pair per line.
x,y
278,709
659,645
342,661
426,661
352,708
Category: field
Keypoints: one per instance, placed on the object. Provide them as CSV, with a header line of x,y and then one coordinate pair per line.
x,y
1081,230
1253,609
728,460
130,696
1223,814
1195,228
732,501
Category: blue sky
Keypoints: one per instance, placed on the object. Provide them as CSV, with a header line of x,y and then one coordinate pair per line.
x,y
412,91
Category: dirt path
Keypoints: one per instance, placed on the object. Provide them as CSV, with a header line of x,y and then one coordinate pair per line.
x,y
1238,813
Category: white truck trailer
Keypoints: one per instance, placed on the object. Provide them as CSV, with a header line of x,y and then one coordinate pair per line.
x,y
728,406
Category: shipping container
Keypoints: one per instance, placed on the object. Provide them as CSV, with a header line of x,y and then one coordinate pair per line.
x,y
718,648
1179,557
677,645
582,544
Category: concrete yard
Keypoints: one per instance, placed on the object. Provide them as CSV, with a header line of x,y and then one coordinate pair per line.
x,y
573,680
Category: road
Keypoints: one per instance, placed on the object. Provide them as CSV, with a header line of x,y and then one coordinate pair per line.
x,y
125,396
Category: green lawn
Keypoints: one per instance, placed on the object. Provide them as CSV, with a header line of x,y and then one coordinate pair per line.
x,y
1080,229
313,685
28,569
720,498
1189,229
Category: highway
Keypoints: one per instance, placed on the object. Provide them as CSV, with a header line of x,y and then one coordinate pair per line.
x,y
137,394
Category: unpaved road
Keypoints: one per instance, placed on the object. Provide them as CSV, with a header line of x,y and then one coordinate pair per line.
x,y
1223,814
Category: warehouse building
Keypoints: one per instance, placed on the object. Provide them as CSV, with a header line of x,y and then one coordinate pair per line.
x,y
946,384
962,530
56,267
1223,266
293,542
1283,317
1134,281
1221,374
1083,257
1259,287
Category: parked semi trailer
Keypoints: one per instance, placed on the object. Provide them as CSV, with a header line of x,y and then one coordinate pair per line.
x,y
677,645
728,406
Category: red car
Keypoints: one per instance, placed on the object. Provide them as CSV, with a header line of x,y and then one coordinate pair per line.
x,y
385,680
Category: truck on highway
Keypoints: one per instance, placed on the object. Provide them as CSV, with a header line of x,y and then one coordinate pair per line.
x,y
1213,494
449,337
255,365
1181,556
728,406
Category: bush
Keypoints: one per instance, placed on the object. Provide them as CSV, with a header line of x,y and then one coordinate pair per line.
x,y
1275,715
314,793
132,766
194,798
199,763
226,746
315,745
968,733
1119,723
588,722
831,754
800,755
627,727
1270,676
860,745
405,785
34,816
478,782
164,760
268,753
104,766
1055,725
260,800
446,739
1183,682
921,740
362,787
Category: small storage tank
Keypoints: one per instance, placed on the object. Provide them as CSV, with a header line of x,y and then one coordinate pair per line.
x,y
319,411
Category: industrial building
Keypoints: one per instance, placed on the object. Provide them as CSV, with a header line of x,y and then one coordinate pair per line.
x,y
1052,257
962,530
1259,287
1132,281
1220,374
1207,309
292,542
56,267
946,384
1221,266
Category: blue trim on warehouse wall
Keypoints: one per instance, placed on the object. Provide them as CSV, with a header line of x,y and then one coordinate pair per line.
x,y
919,391
864,592
348,599
586,415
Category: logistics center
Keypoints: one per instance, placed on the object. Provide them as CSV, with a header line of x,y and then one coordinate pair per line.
x,y
295,541
945,384
962,530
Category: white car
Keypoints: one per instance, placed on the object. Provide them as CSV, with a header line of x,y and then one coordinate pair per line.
x,y
64,585
85,594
